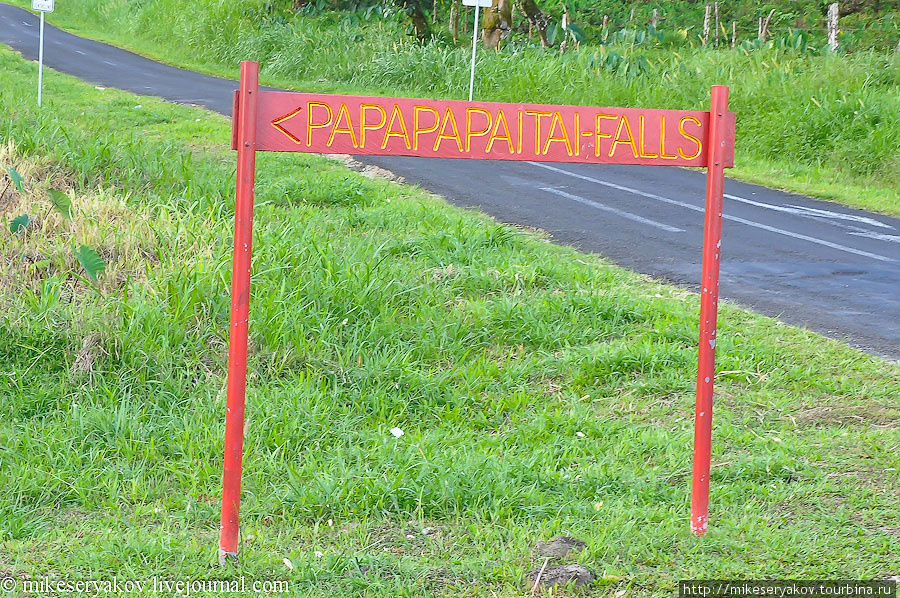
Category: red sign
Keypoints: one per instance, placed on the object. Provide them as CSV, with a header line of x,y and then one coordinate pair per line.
x,y
335,124
339,124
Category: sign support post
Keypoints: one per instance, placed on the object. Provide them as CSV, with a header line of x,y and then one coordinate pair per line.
x,y
41,62
41,6
709,305
240,309
343,124
477,4
474,46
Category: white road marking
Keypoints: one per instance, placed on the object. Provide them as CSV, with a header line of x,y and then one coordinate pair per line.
x,y
811,212
878,236
79,52
605,208
688,206
109,63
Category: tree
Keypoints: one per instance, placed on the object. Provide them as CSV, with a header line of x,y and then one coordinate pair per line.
x,y
496,23
415,10
536,17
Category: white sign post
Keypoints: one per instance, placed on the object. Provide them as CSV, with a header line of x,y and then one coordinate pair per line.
x,y
476,4
42,6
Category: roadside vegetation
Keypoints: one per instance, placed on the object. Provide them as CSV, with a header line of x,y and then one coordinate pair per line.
x,y
810,120
540,391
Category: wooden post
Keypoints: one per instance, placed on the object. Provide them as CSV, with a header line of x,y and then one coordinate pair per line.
x,y
434,12
631,18
454,20
764,26
709,306
733,35
565,30
833,17
706,24
716,5
240,309
654,19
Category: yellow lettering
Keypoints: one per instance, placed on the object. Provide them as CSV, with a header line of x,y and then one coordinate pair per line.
x,y
600,134
343,111
310,125
519,118
687,135
623,124
417,130
501,119
469,132
448,117
557,119
363,127
577,134
537,114
396,116
644,153
662,140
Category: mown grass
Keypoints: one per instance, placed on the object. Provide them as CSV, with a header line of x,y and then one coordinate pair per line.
x,y
541,391
826,125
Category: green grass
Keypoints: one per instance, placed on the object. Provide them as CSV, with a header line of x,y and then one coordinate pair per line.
x,y
825,125
541,391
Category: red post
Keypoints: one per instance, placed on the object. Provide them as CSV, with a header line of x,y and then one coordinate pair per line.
x,y
245,122
709,303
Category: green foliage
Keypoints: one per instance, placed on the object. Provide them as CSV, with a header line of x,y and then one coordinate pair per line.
x,y
61,203
19,223
92,263
15,178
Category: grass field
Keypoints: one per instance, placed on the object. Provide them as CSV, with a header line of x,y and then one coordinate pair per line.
x,y
819,124
541,391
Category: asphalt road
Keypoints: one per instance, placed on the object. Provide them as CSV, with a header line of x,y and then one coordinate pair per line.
x,y
811,263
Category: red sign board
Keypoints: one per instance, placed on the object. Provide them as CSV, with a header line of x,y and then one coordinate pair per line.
x,y
339,124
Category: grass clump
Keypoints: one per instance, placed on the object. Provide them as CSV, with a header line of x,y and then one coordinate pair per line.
x,y
541,391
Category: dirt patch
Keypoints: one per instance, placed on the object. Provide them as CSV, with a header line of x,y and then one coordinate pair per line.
x,y
559,547
545,577
824,415
368,170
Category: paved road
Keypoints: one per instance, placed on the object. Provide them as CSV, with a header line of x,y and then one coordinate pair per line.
x,y
811,263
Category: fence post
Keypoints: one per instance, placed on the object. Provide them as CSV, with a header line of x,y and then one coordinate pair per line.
x,y
709,304
245,122
706,25
833,16
716,10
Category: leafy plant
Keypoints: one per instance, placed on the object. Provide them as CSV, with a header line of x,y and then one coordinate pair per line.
x,y
61,202
16,178
92,263
19,223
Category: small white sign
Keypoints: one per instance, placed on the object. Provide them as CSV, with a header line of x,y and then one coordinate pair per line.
x,y
481,3
42,5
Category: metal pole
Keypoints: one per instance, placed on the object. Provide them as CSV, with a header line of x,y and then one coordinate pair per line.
x,y
709,303
41,62
240,309
474,45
